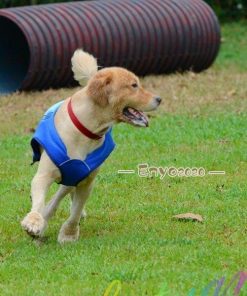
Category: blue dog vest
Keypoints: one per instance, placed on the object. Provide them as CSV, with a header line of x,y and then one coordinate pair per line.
x,y
72,170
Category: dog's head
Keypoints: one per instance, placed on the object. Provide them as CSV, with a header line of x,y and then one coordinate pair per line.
x,y
118,92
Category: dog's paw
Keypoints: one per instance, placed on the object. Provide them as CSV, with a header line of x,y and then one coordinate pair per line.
x,y
34,224
68,233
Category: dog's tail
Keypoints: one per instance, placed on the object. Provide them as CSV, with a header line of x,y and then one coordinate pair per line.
x,y
84,66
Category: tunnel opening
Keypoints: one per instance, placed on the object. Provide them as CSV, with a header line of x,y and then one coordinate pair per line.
x,y
14,56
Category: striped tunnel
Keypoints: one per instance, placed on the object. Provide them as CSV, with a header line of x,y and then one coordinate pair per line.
x,y
158,36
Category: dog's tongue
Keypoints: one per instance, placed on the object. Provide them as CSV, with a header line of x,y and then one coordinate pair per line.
x,y
136,117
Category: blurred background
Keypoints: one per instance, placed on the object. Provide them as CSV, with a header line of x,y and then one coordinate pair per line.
x,y
226,10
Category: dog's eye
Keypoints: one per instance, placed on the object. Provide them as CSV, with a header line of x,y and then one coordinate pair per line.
x,y
134,85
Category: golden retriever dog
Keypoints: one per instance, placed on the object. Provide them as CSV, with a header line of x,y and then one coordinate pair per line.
x,y
82,127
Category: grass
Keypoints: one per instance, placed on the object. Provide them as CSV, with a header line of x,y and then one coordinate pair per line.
x,y
129,234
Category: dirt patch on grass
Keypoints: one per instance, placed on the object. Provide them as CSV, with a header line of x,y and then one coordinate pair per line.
x,y
20,112
210,91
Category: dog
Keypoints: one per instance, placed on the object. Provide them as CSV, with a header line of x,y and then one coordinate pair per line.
x,y
74,138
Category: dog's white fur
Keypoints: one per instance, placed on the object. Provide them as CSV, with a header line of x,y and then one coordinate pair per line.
x,y
99,104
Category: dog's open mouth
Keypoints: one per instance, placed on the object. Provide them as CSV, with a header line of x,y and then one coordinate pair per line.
x,y
135,117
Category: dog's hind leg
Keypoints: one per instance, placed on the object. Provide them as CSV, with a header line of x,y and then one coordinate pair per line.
x,y
53,204
70,229
83,212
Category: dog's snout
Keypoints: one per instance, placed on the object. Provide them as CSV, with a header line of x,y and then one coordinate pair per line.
x,y
158,100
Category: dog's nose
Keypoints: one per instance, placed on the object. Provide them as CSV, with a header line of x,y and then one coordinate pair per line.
x,y
158,100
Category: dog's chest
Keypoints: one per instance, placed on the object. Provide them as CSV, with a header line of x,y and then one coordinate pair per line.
x,y
79,149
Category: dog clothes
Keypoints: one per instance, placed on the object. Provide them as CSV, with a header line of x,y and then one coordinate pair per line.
x,y
72,170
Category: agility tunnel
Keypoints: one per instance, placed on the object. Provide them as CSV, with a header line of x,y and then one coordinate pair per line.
x,y
158,36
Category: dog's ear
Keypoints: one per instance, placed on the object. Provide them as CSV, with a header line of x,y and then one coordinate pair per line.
x,y
99,88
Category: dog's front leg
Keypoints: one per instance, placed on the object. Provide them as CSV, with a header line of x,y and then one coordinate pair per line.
x,y
70,229
34,222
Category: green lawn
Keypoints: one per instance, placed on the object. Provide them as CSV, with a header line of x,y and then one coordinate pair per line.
x,y
129,234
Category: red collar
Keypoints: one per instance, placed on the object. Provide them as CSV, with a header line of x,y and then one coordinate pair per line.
x,y
79,125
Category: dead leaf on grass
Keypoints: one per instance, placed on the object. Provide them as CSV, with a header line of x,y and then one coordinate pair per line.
x,y
189,217
231,93
30,130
